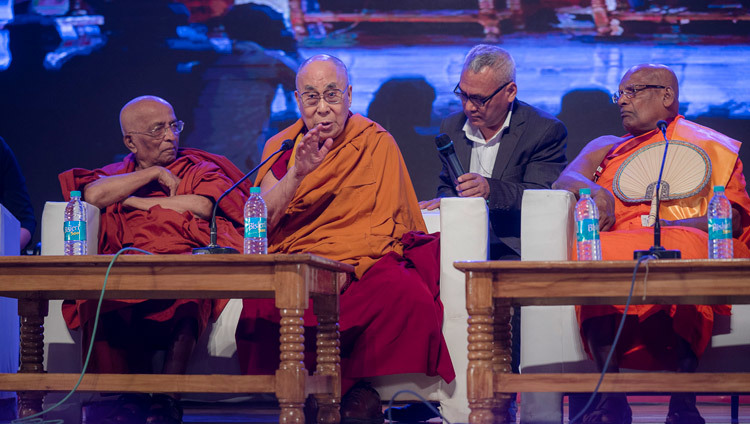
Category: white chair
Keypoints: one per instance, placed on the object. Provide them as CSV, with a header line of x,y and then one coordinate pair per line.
x,y
464,224
62,352
10,236
550,339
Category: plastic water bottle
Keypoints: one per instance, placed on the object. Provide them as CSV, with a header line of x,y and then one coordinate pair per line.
x,y
587,228
720,226
75,226
256,242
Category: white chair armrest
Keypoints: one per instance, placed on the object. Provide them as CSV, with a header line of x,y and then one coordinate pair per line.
x,y
549,334
53,217
547,225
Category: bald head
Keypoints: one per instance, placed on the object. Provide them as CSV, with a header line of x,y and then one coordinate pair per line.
x,y
653,97
148,131
322,61
658,75
138,112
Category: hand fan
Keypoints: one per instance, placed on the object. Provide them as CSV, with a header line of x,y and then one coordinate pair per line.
x,y
687,169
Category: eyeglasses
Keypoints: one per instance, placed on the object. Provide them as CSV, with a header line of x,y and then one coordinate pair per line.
x,y
477,100
333,96
160,130
630,92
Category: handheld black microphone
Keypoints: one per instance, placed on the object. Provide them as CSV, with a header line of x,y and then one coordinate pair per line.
x,y
657,250
214,248
448,154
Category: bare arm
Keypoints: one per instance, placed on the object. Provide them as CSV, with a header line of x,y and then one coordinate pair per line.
x,y
278,193
701,223
108,190
200,206
580,173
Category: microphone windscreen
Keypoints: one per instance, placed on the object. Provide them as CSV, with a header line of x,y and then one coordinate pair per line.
x,y
662,125
287,144
443,141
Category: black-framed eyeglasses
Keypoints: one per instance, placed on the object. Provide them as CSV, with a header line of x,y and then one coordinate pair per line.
x,y
630,92
160,130
331,96
477,100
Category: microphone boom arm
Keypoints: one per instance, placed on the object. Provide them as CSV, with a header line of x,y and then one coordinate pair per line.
x,y
213,247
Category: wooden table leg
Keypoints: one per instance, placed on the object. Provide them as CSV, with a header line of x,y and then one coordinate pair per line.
x,y
290,377
501,356
292,298
479,374
329,356
32,313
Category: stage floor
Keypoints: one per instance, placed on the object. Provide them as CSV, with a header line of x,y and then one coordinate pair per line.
x,y
714,410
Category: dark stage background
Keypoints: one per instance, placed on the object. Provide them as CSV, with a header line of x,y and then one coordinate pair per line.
x,y
228,69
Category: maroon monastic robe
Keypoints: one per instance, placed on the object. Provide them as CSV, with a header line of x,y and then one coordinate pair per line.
x,y
157,230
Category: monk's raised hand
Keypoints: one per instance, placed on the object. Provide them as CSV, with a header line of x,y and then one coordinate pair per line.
x,y
473,185
311,151
168,180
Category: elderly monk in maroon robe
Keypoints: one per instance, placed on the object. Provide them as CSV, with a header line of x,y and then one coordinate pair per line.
x,y
159,198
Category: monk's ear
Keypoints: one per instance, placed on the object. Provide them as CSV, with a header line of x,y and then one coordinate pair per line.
x,y
128,141
669,97
348,95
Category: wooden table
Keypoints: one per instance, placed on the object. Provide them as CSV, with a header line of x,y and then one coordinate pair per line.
x,y
290,279
492,287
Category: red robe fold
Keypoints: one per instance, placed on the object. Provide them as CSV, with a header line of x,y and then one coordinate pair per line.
x,y
158,230
358,207
654,348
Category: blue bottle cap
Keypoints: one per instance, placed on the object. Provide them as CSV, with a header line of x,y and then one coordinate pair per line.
x,y
718,189
75,193
254,190
584,191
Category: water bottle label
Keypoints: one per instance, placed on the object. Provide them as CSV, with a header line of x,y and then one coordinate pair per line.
x,y
719,228
588,229
75,231
255,227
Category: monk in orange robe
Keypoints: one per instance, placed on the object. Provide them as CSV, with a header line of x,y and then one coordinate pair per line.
x,y
344,193
655,337
159,199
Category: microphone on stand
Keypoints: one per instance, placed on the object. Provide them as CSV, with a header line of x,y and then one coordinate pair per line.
x,y
214,248
448,153
657,250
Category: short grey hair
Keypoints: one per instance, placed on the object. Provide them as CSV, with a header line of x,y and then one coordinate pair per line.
x,y
497,59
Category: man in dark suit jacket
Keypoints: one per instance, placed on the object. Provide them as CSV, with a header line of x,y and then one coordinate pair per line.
x,y
505,144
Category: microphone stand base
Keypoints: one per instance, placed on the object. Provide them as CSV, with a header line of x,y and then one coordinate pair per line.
x,y
659,252
213,250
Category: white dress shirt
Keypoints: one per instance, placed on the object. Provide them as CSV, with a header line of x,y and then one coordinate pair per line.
x,y
484,152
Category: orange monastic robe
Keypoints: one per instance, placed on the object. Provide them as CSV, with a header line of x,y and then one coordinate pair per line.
x,y
693,323
358,207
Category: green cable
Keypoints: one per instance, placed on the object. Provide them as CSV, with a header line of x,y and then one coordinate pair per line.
x,y
31,419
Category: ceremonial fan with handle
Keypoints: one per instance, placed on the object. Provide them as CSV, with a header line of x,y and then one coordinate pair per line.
x,y
687,169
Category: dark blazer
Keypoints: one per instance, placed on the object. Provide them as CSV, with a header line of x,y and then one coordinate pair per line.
x,y
531,155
